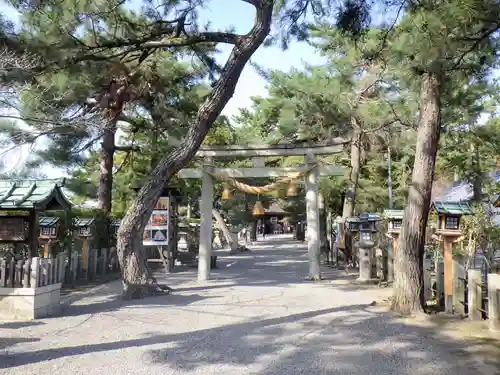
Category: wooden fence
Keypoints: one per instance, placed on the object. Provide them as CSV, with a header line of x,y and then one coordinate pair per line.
x,y
92,267
476,292
33,273
39,272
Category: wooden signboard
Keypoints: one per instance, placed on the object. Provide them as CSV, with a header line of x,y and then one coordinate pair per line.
x,y
13,229
156,232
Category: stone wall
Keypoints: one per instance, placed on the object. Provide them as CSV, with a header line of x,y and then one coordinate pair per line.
x,y
30,303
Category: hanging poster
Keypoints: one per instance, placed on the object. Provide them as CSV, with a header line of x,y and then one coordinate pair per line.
x,y
156,231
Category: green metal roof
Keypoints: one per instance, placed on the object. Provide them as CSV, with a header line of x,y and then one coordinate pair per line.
x,y
84,222
394,214
369,216
48,221
32,194
353,219
452,208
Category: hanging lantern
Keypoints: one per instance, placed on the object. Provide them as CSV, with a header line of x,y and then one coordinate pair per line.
x,y
258,209
226,193
291,191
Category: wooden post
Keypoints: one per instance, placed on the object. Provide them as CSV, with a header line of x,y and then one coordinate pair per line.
x,y
3,273
448,275
93,263
440,284
391,255
50,271
35,272
33,235
26,273
74,267
206,205
61,267
85,256
45,272
427,280
104,261
458,288
46,250
475,298
494,302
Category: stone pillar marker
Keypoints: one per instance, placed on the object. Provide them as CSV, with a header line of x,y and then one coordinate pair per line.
x,y
206,203
365,264
474,294
494,302
312,211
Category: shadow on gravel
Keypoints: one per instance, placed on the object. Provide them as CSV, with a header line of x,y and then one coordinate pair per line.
x,y
343,340
220,340
16,325
115,303
6,342
350,339
281,264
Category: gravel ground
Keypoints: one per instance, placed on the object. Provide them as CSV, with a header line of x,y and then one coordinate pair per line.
x,y
256,316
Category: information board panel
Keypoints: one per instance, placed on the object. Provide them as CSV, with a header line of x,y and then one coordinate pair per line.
x,y
12,229
156,232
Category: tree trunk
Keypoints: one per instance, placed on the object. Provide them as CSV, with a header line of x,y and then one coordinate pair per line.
x,y
225,230
477,174
352,186
350,196
408,283
135,273
105,187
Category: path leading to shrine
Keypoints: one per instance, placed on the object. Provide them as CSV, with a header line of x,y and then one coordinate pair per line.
x,y
256,316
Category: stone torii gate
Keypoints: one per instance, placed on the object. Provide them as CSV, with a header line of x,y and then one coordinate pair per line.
x,y
258,154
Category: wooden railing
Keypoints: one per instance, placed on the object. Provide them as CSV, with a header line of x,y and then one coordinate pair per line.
x,y
475,294
39,272
33,273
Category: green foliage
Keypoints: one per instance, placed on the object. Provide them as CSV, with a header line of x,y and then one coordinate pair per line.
x,y
480,232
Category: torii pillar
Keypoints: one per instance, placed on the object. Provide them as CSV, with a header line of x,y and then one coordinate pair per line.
x,y
312,211
206,204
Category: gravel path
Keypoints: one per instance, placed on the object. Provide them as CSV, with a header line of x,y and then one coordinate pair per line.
x,y
255,317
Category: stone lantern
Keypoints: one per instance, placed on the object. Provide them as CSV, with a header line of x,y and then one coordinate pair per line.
x,y
367,229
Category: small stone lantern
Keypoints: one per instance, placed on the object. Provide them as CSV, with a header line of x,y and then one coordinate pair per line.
x,y
366,243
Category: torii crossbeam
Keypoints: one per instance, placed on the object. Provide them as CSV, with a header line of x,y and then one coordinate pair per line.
x,y
258,154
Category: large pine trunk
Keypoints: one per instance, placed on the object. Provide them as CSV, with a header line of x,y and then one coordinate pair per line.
x,y
105,188
408,280
135,273
352,184
355,161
